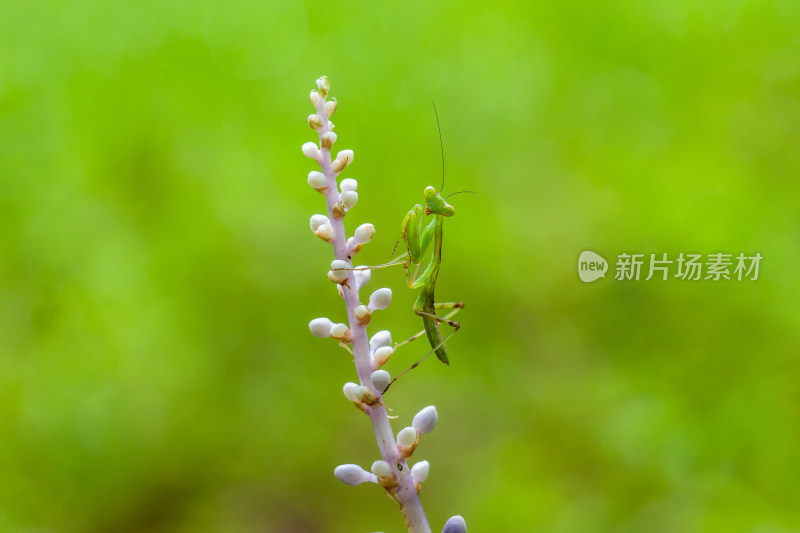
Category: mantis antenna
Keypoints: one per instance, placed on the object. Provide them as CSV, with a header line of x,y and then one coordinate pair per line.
x,y
441,144
459,192
441,147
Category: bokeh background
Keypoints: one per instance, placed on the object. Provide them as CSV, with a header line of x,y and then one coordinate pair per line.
x,y
157,273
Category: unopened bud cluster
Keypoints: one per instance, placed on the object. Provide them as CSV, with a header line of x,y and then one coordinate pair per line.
x,y
341,271
346,199
320,152
407,438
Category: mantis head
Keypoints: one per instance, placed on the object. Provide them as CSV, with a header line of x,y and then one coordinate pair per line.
x,y
436,205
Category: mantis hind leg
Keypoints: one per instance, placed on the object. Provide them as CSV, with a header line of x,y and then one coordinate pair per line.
x,y
443,319
455,306
415,365
431,321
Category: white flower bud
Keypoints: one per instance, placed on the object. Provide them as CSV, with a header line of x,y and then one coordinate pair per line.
x,y
426,420
381,355
353,475
349,390
455,524
419,472
324,85
345,156
343,159
362,276
337,330
340,269
349,199
348,184
360,392
341,332
315,122
320,327
406,436
364,233
318,181
382,338
362,314
380,299
327,140
330,107
316,100
318,220
339,264
311,151
381,468
325,232
353,246
380,380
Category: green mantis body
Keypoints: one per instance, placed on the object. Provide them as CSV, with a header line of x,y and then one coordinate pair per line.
x,y
417,240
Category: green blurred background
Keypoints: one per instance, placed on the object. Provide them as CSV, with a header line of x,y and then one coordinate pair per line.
x,y
157,273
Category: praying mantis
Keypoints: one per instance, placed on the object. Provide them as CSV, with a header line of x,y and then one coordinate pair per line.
x,y
418,238
417,241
